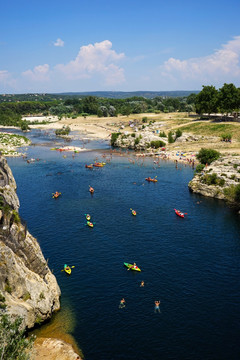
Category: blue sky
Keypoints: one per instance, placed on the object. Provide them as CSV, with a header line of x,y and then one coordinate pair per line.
x,y
60,46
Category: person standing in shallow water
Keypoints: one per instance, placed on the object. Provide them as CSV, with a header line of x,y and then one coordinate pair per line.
x,y
157,308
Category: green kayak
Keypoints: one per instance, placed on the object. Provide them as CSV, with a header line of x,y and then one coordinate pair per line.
x,y
132,267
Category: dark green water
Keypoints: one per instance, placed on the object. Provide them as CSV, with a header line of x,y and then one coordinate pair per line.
x,y
190,264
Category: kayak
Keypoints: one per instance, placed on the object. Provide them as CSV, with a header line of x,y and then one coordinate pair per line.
x,y
67,269
98,165
90,224
131,267
134,213
150,179
89,166
55,196
179,213
88,217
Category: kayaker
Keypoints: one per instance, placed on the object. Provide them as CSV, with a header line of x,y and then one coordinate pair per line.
x,y
134,266
142,284
157,308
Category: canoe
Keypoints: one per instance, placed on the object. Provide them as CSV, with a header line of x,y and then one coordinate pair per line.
x,y
179,213
67,269
88,217
149,179
130,266
90,224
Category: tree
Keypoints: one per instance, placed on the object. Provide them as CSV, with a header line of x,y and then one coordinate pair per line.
x,y
112,111
13,343
170,137
207,156
228,98
206,100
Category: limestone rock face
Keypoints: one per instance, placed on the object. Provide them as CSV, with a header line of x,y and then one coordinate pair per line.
x,y
26,282
227,170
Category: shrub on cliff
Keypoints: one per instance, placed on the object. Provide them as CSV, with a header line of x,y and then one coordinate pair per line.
x,y
213,179
114,137
13,343
199,168
233,193
207,156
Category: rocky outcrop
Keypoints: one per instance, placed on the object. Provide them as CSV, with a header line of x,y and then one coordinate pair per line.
x,y
224,173
26,282
53,349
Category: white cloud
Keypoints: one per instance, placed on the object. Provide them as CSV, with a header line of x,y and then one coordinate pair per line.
x,y
4,75
95,59
221,66
59,42
6,80
39,73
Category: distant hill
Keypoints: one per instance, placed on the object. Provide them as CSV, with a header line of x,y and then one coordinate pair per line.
x,y
129,94
103,94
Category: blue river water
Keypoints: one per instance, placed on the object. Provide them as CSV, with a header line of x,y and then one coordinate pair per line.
x,y
191,265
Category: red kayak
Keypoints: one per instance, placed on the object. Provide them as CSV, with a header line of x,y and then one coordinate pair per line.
x,y
179,213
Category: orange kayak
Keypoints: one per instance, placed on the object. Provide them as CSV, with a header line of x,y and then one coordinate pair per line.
x,y
150,179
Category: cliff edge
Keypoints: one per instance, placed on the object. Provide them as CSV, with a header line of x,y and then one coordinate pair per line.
x,y
30,289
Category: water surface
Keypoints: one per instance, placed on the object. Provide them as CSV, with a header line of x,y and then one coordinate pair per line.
x,y
190,264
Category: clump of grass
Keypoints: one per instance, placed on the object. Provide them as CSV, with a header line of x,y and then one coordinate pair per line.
x,y
26,296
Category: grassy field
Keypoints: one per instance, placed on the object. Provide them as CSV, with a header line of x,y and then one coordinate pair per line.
x,y
207,128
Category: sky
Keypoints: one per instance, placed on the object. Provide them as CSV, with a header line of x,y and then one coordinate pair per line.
x,y
128,45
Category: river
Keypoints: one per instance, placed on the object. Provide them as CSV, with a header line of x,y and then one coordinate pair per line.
x,y
191,265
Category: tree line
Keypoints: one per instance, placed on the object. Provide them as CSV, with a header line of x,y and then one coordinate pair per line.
x,y
225,100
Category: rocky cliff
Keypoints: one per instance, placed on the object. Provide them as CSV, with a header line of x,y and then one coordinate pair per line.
x,y
219,179
26,282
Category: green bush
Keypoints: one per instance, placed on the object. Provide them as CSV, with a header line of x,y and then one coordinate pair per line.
x,y
144,119
170,137
235,166
207,156
8,287
2,302
137,140
178,133
226,137
13,343
65,130
212,179
114,137
16,217
237,193
24,125
133,135
199,168
157,144
26,296
162,134
233,193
